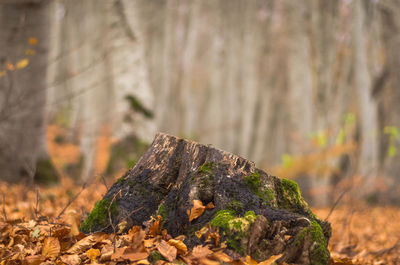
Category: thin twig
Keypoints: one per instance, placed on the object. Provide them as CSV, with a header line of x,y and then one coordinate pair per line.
x,y
111,223
104,182
4,207
72,200
36,209
335,204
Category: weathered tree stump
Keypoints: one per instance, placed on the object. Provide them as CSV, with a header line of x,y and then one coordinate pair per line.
x,y
257,214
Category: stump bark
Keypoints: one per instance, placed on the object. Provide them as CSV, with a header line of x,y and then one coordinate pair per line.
x,y
255,213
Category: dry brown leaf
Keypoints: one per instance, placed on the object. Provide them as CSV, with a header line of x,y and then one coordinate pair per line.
x,y
136,236
71,259
197,210
169,252
143,262
271,260
135,256
221,256
92,254
148,243
51,247
199,252
82,245
180,246
205,261
155,227
210,205
118,253
250,261
106,253
34,260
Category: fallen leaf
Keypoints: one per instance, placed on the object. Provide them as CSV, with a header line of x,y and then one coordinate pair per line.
x,y
143,261
71,259
22,64
180,246
197,210
210,205
51,247
221,256
250,261
92,254
2,73
201,251
82,245
34,260
32,41
205,261
135,256
169,252
10,66
155,226
118,253
271,260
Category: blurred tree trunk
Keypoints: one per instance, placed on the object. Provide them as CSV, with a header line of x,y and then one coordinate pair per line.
x,y
24,30
389,99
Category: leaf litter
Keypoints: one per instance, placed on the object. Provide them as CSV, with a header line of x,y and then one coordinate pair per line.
x,y
31,233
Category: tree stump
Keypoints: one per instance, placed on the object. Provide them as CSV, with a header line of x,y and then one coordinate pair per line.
x,y
255,213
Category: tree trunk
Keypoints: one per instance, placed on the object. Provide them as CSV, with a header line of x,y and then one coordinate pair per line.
x,y
258,214
24,38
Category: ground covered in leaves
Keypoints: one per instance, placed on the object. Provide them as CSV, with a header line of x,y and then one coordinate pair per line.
x,y
40,226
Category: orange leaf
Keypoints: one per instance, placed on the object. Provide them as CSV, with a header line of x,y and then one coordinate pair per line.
x,y
201,251
221,256
135,256
180,246
155,227
92,254
10,66
197,210
22,64
271,260
32,41
71,259
82,245
169,252
34,260
210,205
2,73
51,247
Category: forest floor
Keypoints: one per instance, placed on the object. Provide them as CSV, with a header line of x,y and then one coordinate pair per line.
x,y
361,234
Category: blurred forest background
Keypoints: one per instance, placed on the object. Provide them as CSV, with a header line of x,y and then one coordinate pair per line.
x,y
307,89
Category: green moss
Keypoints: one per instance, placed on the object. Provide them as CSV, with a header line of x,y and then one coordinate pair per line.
x,y
253,181
235,206
319,254
292,199
235,245
121,180
222,218
162,211
99,215
155,256
130,163
206,167
250,216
